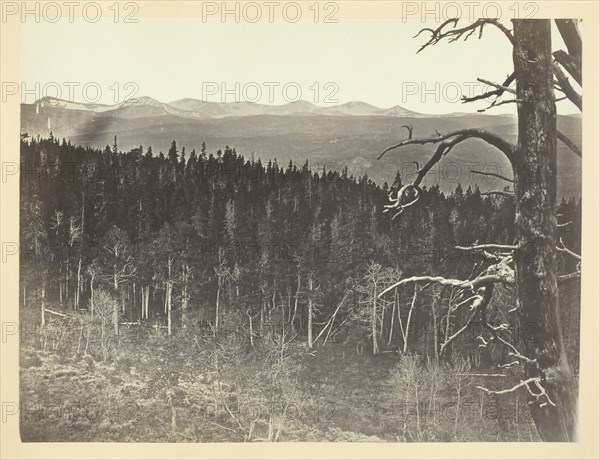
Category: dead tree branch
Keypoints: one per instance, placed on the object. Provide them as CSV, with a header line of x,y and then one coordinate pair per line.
x,y
569,63
465,284
459,136
445,143
570,34
454,34
501,88
563,248
409,128
492,246
569,277
569,143
565,86
524,383
499,91
480,302
498,103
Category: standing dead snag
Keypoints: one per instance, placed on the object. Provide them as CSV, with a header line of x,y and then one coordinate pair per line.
x,y
535,199
551,388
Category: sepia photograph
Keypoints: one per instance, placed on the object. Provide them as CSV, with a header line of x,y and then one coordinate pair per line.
x,y
285,222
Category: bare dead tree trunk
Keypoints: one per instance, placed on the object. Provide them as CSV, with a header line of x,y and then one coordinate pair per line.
x,y
262,314
551,388
68,272
535,192
448,317
217,305
251,328
146,300
168,296
310,313
374,321
43,301
60,285
142,298
392,320
408,320
78,288
103,337
115,317
434,301
92,276
289,304
169,308
165,298
296,301
381,323
184,294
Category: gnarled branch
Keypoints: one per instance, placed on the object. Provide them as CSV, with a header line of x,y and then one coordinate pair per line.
x,y
455,34
409,128
397,202
563,248
524,383
499,273
462,134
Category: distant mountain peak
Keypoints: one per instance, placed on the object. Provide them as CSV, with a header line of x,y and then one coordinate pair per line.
x,y
185,100
302,103
359,104
142,100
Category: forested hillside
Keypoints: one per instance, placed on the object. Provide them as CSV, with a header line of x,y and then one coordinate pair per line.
x,y
208,278
335,141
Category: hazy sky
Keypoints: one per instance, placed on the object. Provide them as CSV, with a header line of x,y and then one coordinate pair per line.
x,y
370,60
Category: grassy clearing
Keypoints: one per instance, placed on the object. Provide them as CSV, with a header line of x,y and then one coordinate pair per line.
x,y
167,391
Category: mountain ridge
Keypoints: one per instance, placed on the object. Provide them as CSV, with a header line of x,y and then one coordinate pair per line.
x,y
144,106
296,132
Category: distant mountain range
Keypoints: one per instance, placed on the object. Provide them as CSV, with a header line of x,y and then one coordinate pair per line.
x,y
202,110
348,135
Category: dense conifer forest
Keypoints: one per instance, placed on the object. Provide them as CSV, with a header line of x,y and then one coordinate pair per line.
x,y
228,298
